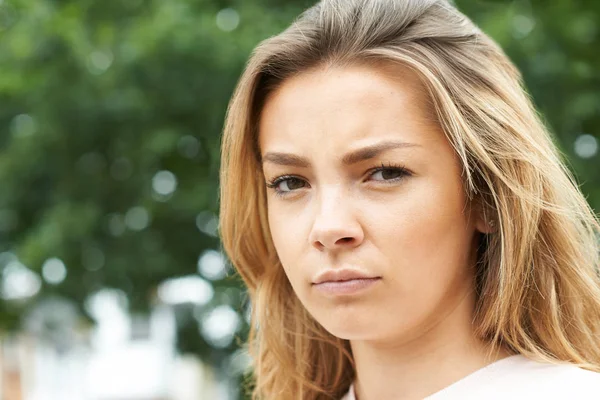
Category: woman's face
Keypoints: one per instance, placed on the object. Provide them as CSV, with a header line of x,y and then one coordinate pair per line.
x,y
366,205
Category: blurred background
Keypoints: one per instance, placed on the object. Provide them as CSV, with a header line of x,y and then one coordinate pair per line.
x,y
112,283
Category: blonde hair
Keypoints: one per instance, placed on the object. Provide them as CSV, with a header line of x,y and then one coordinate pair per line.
x,y
537,278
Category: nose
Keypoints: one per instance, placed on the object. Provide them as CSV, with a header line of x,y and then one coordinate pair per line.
x,y
335,225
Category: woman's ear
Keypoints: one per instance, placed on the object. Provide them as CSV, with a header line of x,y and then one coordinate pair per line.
x,y
486,226
485,219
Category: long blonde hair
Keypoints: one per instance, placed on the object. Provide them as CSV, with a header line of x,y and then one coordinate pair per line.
x,y
537,278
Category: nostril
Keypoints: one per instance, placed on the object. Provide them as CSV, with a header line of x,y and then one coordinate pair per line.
x,y
345,240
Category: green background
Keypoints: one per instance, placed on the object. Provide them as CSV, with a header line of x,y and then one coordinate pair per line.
x,y
98,96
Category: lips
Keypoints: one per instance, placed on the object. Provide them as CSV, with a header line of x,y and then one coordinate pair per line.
x,y
344,282
342,275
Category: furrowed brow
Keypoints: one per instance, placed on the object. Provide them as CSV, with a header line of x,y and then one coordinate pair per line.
x,y
370,152
363,154
286,159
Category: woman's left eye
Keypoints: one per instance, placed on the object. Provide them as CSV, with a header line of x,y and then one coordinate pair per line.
x,y
388,174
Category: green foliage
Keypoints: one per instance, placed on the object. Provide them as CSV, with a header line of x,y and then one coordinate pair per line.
x,y
97,97
555,46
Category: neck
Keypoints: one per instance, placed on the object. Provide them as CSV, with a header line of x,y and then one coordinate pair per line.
x,y
421,366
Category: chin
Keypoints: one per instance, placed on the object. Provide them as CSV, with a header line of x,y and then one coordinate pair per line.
x,y
373,327
349,326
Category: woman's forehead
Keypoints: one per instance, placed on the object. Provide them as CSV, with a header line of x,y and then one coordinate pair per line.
x,y
354,106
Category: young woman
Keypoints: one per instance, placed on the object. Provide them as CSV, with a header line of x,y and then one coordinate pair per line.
x,y
401,217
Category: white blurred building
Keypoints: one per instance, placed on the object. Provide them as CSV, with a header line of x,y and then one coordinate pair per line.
x,y
122,358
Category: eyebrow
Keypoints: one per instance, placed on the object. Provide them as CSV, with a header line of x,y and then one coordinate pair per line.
x,y
356,156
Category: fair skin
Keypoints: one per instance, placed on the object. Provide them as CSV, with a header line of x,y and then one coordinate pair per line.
x,y
396,214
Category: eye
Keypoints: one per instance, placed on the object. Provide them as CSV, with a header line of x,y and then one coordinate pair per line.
x,y
286,184
389,173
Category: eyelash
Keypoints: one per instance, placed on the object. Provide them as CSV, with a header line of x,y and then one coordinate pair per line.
x,y
274,183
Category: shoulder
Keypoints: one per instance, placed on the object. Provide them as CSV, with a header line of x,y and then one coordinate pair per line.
x,y
521,378
560,378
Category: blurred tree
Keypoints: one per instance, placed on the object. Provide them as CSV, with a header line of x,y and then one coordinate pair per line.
x,y
110,121
555,45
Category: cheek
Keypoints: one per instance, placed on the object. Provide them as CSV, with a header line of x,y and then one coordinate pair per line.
x,y
278,231
425,244
431,236
286,233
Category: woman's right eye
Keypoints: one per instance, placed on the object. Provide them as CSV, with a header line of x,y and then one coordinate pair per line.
x,y
286,184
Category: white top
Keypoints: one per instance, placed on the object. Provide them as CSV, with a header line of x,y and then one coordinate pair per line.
x,y
518,377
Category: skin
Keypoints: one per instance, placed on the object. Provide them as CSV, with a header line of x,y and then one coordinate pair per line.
x,y
411,331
